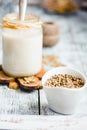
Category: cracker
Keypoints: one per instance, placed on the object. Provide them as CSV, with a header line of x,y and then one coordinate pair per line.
x,y
0,67
29,83
4,79
41,73
13,85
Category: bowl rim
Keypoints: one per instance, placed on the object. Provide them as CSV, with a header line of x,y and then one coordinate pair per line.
x,y
65,88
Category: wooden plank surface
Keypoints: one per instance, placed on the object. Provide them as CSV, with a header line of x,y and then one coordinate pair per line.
x,y
18,102
22,122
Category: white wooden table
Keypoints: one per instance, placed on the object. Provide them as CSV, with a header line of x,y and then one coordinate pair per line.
x,y
71,50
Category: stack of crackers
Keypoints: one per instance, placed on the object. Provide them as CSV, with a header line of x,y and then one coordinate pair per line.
x,y
24,83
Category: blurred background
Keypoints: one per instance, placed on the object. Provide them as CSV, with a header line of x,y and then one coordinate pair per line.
x,y
57,6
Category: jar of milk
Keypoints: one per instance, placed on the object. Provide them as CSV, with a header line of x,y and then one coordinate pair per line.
x,y
22,45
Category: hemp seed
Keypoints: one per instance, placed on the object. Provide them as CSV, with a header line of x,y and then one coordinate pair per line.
x,y
64,80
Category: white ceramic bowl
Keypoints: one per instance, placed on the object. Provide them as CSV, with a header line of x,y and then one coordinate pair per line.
x,y
60,99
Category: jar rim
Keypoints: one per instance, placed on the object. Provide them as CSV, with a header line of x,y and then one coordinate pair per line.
x,y
12,21
14,17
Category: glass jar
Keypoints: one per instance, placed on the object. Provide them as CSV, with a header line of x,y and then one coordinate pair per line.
x,y
22,45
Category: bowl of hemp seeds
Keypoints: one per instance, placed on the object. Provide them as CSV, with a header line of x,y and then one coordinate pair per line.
x,y
65,89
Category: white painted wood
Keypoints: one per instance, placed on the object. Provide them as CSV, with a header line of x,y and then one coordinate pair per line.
x,y
43,122
18,102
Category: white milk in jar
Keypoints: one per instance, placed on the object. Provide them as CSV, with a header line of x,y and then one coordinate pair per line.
x,y
22,45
